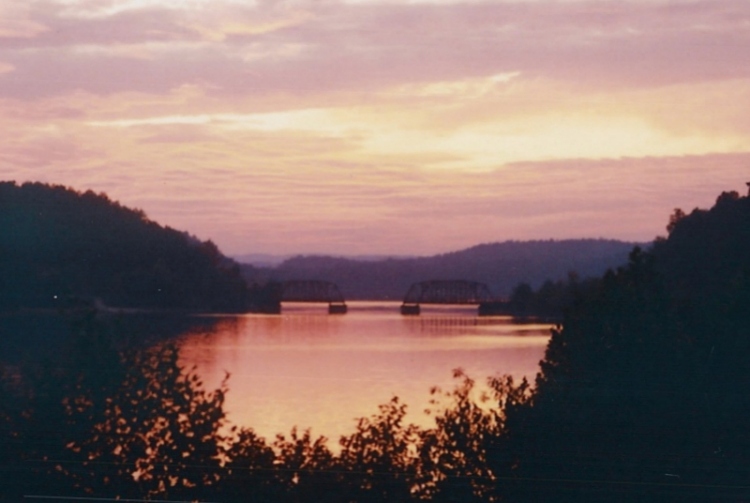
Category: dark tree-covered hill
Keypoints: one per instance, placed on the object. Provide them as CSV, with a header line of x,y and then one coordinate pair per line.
x,y
644,393
58,245
500,265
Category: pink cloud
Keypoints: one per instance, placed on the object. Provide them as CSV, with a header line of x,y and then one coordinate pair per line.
x,y
136,103
367,46
371,208
17,23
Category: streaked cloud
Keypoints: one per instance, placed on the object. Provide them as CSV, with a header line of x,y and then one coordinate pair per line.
x,y
381,126
16,22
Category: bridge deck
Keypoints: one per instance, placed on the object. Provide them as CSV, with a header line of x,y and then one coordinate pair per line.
x,y
314,291
460,292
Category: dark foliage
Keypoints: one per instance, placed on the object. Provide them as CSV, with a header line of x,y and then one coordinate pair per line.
x,y
378,461
59,247
643,394
552,298
104,420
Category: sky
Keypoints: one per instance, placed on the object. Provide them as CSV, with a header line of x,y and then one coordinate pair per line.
x,y
381,126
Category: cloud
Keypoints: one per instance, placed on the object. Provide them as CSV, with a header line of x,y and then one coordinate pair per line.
x,y
308,47
289,191
16,22
381,127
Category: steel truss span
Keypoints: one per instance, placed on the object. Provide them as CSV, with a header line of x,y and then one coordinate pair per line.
x,y
311,291
448,292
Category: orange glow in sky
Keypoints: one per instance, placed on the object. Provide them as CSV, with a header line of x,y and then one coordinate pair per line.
x,y
381,126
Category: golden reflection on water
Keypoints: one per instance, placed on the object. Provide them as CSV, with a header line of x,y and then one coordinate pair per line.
x,y
311,369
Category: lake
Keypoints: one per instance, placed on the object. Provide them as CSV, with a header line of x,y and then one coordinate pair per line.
x,y
314,370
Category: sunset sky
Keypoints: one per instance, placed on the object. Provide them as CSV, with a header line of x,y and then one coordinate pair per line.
x,y
381,126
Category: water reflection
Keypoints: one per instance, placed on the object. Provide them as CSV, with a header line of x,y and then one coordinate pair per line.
x,y
310,369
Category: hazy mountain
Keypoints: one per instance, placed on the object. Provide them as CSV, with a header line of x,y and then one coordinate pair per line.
x,y
500,265
267,260
261,259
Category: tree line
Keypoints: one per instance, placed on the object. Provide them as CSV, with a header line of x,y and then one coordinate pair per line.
x,y
643,391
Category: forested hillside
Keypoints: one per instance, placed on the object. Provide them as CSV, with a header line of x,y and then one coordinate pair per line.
x,y
500,265
59,246
643,392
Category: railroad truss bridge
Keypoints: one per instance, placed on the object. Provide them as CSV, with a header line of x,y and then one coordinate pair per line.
x,y
451,292
307,291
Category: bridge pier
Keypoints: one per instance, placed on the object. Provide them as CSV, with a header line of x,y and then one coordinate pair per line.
x,y
410,309
337,308
267,308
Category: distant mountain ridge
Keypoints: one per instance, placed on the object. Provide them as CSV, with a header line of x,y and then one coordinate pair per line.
x,y
272,260
500,265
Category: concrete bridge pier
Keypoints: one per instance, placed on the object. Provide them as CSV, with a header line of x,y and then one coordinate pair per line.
x,y
337,308
410,309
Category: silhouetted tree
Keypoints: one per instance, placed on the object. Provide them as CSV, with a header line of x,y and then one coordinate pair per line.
x,y
249,472
160,431
104,421
453,456
642,392
305,468
379,459
551,299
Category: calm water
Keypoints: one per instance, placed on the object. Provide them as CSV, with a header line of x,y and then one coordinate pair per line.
x,y
314,370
